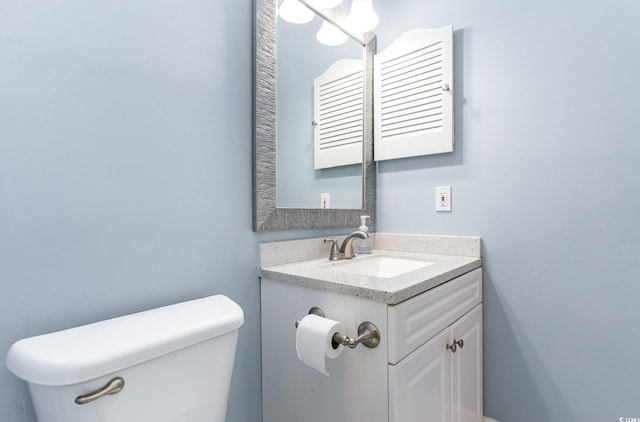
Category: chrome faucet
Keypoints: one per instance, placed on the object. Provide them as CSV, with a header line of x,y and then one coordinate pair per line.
x,y
345,251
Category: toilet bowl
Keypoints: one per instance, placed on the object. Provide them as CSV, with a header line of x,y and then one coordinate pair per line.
x,y
170,364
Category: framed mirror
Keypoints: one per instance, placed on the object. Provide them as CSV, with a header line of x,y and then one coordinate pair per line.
x,y
267,214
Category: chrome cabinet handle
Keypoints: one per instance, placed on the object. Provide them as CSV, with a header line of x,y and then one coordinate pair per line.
x,y
113,387
456,343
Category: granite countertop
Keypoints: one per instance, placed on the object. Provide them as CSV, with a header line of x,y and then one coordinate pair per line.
x,y
320,273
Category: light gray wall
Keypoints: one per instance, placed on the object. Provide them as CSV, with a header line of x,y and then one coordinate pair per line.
x,y
125,170
546,170
125,162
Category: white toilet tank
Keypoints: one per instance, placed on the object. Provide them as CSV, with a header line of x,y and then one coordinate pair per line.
x,y
175,364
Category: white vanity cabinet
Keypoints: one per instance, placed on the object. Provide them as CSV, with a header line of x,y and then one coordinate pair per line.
x,y
440,383
435,354
413,374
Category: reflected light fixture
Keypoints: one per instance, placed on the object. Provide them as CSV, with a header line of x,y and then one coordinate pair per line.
x,y
295,12
330,35
362,17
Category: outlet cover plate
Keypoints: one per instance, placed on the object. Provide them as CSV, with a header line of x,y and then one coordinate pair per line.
x,y
443,198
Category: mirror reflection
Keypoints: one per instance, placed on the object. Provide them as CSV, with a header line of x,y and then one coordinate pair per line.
x,y
268,215
319,131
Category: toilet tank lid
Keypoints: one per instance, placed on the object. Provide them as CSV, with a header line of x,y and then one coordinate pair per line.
x,y
90,351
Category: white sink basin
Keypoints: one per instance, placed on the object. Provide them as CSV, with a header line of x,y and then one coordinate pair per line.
x,y
381,266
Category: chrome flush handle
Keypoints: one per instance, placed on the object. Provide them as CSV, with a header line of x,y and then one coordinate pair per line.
x,y
112,387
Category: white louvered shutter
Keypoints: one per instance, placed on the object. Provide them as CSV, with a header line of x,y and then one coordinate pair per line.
x,y
338,115
413,95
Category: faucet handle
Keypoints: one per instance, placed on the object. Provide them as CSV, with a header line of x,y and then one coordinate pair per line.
x,y
335,254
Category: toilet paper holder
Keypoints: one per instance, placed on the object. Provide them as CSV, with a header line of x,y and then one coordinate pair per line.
x,y
368,334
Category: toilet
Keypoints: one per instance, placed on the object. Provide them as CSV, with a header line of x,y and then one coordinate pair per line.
x,y
170,364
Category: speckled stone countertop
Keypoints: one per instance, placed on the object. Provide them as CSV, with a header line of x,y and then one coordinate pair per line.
x,y
297,262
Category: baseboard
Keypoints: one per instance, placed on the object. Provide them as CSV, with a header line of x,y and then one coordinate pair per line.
x,y
488,419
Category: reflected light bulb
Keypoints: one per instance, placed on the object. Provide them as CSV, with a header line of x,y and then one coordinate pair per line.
x,y
325,4
330,35
362,17
295,12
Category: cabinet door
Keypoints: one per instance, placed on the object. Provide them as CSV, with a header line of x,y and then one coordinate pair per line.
x,y
419,384
338,114
466,368
413,95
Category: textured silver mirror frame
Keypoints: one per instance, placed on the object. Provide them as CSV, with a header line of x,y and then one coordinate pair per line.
x,y
266,215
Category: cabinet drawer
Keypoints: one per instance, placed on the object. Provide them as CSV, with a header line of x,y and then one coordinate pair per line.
x,y
415,321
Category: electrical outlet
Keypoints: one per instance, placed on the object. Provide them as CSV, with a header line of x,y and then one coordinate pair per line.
x,y
325,200
443,198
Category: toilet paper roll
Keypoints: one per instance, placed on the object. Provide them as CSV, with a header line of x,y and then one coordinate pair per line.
x,y
313,341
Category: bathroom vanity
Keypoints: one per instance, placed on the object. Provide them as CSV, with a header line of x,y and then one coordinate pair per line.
x,y
424,295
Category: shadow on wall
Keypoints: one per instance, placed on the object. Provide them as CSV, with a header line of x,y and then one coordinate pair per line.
x,y
513,353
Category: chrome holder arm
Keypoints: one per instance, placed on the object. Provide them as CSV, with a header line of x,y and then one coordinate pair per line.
x,y
368,336
113,387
